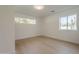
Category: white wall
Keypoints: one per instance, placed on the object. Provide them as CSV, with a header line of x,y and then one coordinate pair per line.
x,y
48,26
27,30
51,27
7,40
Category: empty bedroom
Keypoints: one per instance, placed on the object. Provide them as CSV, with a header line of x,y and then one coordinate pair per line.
x,y
46,29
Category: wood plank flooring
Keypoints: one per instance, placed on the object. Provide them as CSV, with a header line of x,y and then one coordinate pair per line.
x,y
44,45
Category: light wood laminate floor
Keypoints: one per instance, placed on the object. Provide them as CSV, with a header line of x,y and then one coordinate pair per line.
x,y
44,45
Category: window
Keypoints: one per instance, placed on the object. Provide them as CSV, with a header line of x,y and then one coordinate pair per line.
x,y
68,22
25,20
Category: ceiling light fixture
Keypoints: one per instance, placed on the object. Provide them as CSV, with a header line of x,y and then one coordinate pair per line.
x,y
39,7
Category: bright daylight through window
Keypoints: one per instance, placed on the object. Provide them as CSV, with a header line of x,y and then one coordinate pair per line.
x,y
25,20
68,22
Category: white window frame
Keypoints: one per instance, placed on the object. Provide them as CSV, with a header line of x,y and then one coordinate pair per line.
x,y
71,28
22,20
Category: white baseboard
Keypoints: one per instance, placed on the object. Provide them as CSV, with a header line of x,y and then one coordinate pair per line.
x,y
20,38
46,36
60,39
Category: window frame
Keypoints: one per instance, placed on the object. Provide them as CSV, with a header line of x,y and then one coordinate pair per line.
x,y
25,20
67,22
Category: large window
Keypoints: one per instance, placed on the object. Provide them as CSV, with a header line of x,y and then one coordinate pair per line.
x,y
68,22
25,20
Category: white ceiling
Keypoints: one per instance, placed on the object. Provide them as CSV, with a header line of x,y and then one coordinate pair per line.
x,y
29,9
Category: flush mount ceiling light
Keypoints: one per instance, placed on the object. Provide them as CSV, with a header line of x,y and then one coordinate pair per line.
x,y
39,7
